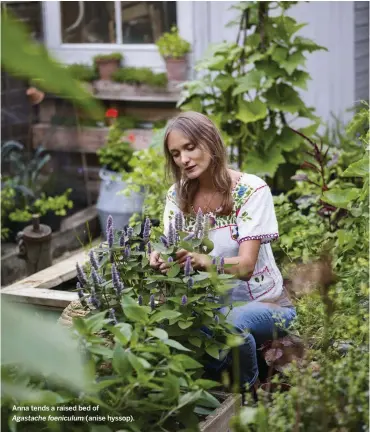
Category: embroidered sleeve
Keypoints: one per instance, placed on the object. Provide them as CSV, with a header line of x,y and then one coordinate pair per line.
x,y
170,209
256,219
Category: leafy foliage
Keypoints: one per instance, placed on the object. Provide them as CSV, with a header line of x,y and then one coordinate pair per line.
x,y
24,181
82,72
133,75
172,45
34,63
250,88
329,390
116,153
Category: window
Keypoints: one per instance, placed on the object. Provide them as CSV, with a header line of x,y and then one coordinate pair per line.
x,y
146,21
29,13
127,22
88,22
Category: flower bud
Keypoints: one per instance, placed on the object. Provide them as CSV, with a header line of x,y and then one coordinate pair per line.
x,y
152,302
188,268
190,283
81,275
184,300
146,231
140,300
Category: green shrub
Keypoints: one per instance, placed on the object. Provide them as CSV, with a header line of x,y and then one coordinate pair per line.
x,y
172,45
82,72
132,75
107,57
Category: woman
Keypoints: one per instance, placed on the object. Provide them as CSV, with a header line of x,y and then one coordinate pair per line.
x,y
242,225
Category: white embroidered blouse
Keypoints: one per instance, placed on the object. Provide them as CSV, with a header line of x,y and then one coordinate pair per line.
x,y
253,217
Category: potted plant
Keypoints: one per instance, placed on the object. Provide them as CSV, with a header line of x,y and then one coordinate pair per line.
x,y
173,48
25,181
107,64
114,159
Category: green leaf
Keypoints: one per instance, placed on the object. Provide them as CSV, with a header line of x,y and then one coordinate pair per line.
x,y
293,61
184,324
279,54
235,340
200,277
213,351
284,98
251,111
159,247
341,197
33,62
187,362
250,81
223,82
159,333
162,315
299,78
288,140
195,341
206,384
207,245
358,169
265,165
175,344
103,351
174,271
133,311
305,44
95,322
120,362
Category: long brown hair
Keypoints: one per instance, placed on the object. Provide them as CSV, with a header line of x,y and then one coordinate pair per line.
x,y
202,132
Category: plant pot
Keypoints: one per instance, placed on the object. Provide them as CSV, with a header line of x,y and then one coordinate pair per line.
x,y
106,68
119,206
177,69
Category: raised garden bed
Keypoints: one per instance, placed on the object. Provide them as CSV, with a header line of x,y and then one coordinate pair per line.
x,y
48,292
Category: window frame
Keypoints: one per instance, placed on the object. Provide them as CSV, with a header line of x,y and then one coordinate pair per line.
x,y
84,52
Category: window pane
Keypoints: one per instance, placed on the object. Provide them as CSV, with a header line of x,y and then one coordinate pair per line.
x,y
88,22
30,13
145,21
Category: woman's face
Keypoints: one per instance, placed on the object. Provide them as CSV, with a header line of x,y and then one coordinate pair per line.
x,y
189,157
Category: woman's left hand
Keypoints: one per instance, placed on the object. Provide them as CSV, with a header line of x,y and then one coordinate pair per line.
x,y
198,261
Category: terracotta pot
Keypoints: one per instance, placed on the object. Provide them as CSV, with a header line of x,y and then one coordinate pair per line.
x,y
177,69
106,68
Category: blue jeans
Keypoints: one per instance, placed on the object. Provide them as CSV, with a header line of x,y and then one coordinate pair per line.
x,y
258,323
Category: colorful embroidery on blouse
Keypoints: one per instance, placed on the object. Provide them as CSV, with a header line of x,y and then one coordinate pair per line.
x,y
240,194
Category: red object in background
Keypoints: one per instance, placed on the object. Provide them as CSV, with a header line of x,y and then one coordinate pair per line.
x,y
131,137
111,113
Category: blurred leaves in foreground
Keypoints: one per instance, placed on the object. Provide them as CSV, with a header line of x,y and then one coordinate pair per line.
x,y
40,346
26,59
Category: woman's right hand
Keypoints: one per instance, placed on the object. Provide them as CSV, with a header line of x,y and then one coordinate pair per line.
x,y
155,260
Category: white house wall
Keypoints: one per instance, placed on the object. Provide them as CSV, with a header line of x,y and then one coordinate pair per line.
x,y
330,24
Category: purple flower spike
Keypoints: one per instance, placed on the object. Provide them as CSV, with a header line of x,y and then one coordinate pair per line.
x,y
140,300
130,232
221,268
112,316
198,223
109,223
95,277
179,221
188,268
146,231
217,320
206,225
115,277
95,302
81,275
127,252
190,283
164,241
170,260
149,248
119,288
93,261
171,234
122,240
110,237
80,294
189,237
152,302
214,261
184,300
